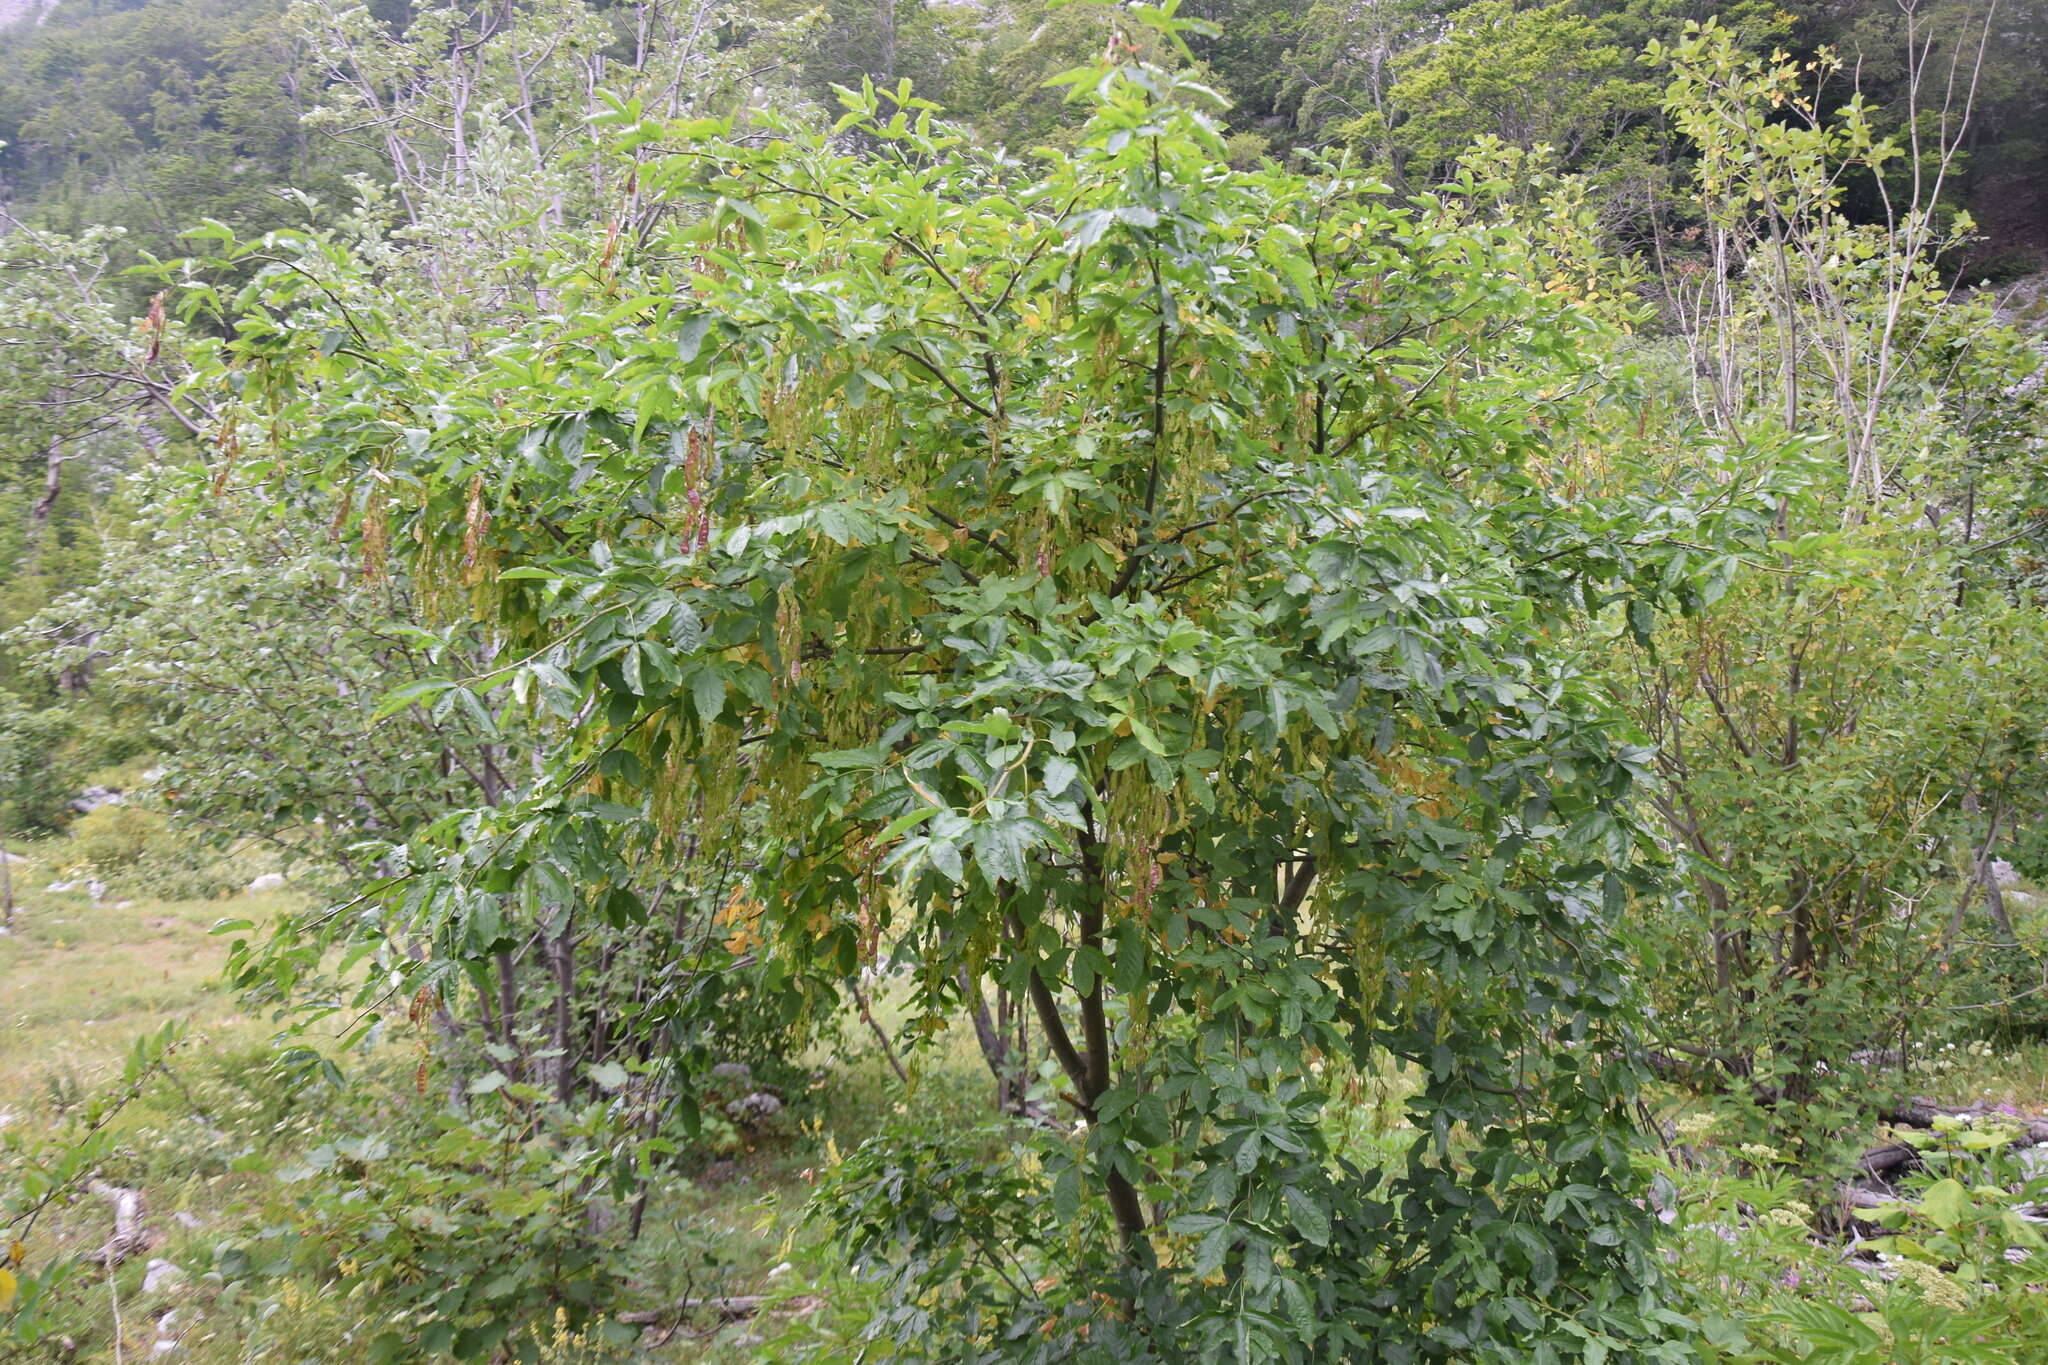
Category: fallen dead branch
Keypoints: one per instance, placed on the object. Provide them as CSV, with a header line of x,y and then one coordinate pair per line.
x,y
130,1237
1922,1113
732,1308
1883,1164
726,1309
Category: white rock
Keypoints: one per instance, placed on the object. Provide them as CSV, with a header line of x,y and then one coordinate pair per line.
x,y
167,1334
160,1274
2003,872
780,1271
59,888
123,905
269,881
187,1220
97,890
92,798
758,1107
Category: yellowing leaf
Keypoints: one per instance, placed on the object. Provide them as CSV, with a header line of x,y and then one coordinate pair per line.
x,y
8,1284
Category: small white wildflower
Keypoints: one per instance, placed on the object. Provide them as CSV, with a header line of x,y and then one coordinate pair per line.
x,y
1928,1282
1692,1127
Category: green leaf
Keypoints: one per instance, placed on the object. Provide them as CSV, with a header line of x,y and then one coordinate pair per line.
x,y
1945,1203
410,694
944,854
707,691
1641,621
474,1343
1310,1218
1209,1255
904,823
1000,848
1059,774
1066,1193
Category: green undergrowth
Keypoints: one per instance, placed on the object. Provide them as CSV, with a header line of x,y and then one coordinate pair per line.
x,y
220,1145
1777,1264
254,1186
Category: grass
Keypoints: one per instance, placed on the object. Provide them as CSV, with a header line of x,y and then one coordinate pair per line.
x,y
80,982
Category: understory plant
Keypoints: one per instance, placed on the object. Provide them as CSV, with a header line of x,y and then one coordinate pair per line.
x,y
1772,1265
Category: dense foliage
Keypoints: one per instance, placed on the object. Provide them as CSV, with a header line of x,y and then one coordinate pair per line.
x,y
1101,598
1361,605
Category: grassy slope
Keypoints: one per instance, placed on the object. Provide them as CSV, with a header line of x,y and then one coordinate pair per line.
x,y
80,982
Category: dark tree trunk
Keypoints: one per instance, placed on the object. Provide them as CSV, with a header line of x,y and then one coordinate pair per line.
x,y
1005,1060
564,955
508,1007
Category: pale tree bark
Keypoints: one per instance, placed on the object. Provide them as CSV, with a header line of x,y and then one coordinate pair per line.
x,y
6,884
54,457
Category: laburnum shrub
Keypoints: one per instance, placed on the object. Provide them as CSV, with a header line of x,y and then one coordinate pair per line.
x,y
1122,579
